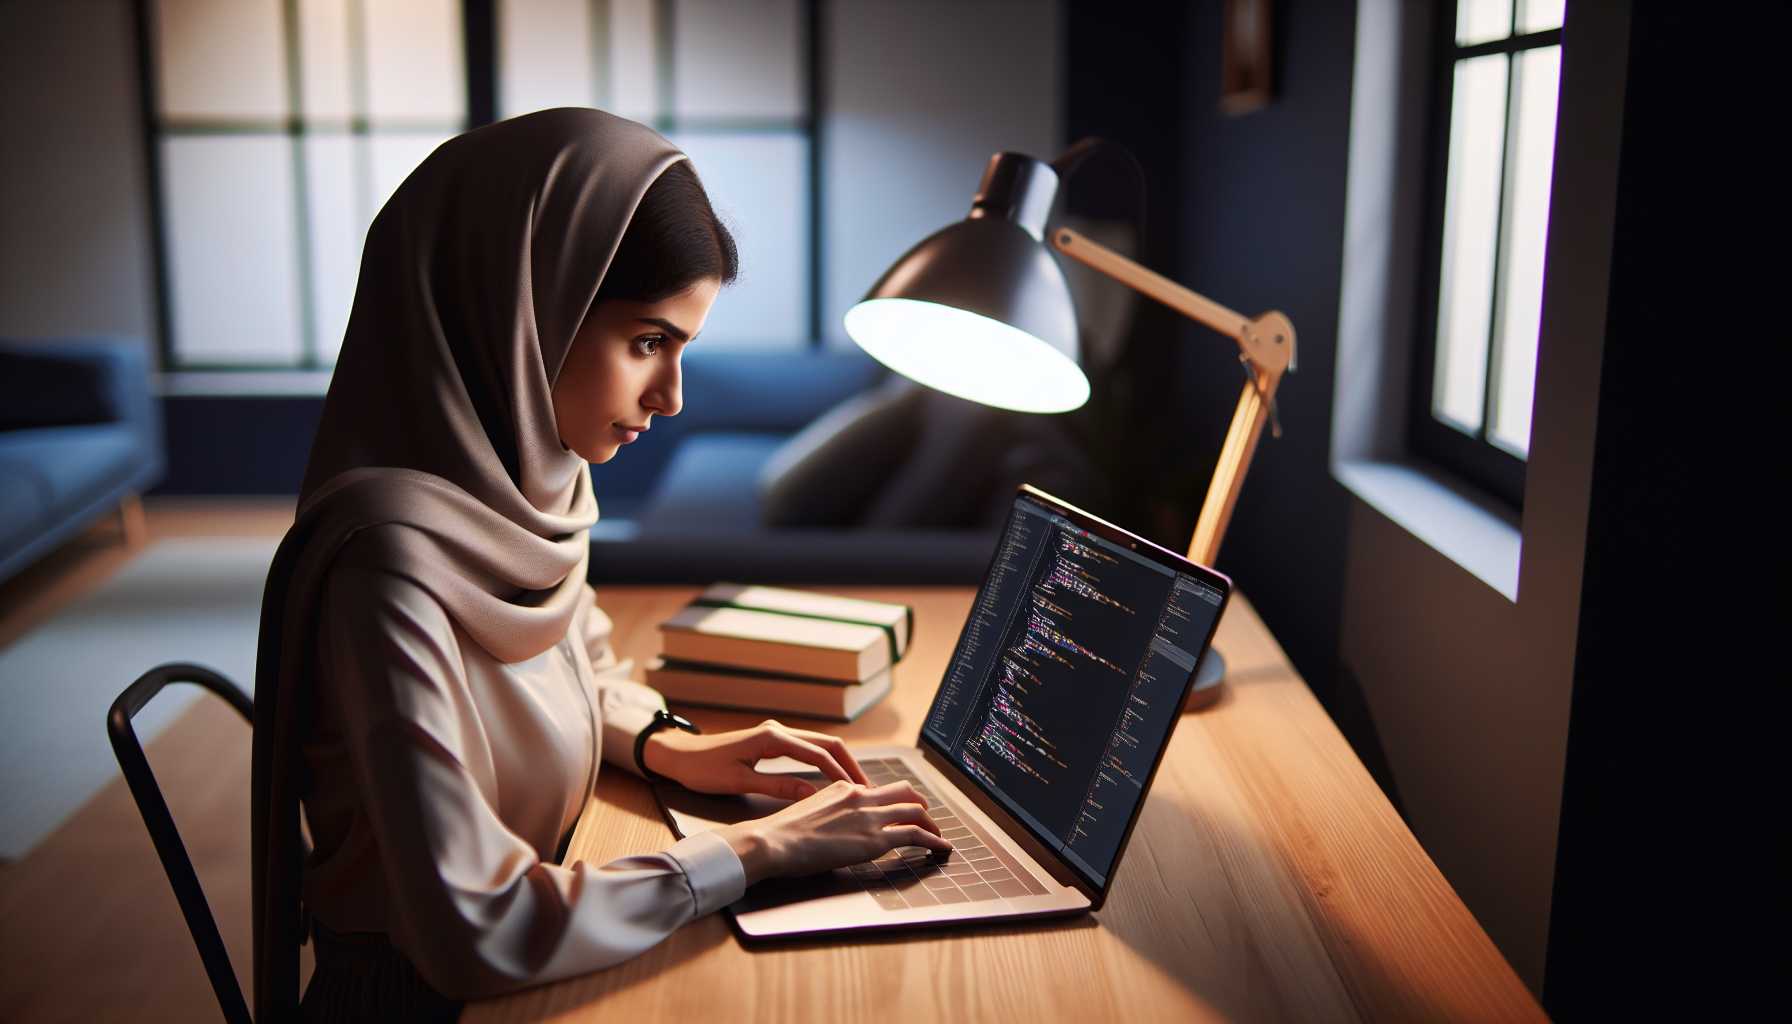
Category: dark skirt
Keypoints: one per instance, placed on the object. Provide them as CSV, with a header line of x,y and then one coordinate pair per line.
x,y
362,976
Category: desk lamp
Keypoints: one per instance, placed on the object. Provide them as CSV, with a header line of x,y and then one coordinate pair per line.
x,y
981,311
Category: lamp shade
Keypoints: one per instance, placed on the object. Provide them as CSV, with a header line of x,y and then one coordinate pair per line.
x,y
980,309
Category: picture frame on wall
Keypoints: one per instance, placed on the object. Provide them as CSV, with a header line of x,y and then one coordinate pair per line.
x,y
1246,73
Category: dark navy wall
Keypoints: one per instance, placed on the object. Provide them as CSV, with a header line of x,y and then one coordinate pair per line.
x,y
1124,70
1249,211
1263,223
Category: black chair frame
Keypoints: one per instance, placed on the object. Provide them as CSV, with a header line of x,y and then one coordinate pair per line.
x,y
161,824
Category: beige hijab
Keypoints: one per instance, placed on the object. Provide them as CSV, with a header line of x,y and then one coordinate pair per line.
x,y
438,453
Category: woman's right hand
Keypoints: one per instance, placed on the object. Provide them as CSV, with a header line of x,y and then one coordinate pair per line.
x,y
841,824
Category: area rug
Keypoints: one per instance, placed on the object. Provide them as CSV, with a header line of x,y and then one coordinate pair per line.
x,y
196,600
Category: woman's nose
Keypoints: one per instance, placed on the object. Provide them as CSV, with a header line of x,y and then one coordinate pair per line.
x,y
666,396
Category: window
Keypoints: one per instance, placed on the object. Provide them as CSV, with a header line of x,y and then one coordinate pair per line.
x,y
279,128
1494,132
730,82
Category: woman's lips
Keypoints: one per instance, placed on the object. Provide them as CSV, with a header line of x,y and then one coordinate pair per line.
x,y
626,434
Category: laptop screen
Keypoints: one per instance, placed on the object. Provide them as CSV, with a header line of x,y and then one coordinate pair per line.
x,y
1069,674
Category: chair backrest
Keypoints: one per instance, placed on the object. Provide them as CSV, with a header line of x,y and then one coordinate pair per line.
x,y
161,824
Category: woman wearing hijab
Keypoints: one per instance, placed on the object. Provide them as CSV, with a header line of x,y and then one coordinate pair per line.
x,y
435,683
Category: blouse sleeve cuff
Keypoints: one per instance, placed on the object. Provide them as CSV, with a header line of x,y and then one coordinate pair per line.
x,y
627,708
713,870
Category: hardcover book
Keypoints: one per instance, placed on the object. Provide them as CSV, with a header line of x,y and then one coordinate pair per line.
x,y
723,687
788,632
896,619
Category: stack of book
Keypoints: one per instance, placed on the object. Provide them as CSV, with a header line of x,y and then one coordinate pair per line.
x,y
788,651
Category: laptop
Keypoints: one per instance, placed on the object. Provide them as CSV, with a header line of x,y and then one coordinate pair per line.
x,y
1039,748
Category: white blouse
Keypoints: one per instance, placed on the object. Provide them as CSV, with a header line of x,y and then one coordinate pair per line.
x,y
441,781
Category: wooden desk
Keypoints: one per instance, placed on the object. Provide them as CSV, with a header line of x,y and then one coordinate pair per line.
x,y
1268,878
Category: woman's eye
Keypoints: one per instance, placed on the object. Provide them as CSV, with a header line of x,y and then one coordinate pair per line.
x,y
649,344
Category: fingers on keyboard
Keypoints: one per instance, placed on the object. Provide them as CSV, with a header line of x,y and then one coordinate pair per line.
x,y
912,876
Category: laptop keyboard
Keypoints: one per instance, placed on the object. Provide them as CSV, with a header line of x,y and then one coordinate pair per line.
x,y
909,876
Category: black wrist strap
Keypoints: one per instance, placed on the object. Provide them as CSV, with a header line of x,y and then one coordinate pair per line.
x,y
661,720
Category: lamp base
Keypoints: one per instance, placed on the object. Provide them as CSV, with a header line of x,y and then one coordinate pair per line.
x,y
1210,682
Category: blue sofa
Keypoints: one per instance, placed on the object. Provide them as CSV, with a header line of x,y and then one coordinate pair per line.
x,y
821,467
79,432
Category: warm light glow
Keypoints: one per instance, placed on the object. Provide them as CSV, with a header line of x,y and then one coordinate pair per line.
x,y
967,355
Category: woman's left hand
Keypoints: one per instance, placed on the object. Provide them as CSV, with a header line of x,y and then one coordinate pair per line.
x,y
724,762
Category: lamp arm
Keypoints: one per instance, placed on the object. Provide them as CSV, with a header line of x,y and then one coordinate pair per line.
x,y
1266,340
1266,343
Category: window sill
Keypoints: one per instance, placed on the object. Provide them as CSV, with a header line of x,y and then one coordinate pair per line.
x,y
1475,534
243,383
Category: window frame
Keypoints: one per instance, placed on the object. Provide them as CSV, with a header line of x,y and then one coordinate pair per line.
x,y
808,126
476,65
479,65
1475,458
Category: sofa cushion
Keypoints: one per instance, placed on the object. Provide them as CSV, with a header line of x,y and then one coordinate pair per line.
x,y
828,471
67,465
24,504
711,482
43,387
743,392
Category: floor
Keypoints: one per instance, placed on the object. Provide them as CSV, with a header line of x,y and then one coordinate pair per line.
x,y
89,928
